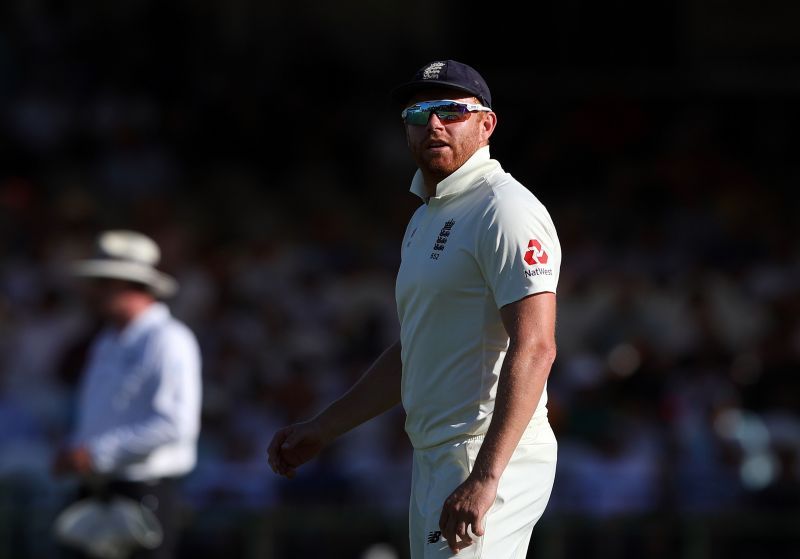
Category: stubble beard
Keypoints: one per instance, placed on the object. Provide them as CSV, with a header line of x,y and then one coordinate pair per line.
x,y
441,166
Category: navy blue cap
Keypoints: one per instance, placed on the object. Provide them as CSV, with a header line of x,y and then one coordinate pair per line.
x,y
446,74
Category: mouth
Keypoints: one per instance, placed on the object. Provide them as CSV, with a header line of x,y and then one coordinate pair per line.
x,y
436,145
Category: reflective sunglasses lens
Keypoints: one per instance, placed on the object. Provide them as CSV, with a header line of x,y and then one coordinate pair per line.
x,y
447,112
451,112
417,116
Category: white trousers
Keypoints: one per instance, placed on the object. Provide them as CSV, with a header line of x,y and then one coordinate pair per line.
x,y
522,495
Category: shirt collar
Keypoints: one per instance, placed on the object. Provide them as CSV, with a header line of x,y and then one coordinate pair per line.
x,y
155,314
461,179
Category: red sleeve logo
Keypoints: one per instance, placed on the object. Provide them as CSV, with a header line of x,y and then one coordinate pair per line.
x,y
535,253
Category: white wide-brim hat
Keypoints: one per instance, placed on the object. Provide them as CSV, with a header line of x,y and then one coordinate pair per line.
x,y
129,256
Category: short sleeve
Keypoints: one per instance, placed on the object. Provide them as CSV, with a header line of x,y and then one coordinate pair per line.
x,y
518,249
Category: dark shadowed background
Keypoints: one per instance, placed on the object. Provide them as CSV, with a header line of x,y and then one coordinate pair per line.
x,y
256,143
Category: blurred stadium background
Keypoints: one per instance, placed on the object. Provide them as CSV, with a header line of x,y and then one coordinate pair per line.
x,y
255,142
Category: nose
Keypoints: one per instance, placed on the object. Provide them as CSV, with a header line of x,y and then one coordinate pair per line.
x,y
434,122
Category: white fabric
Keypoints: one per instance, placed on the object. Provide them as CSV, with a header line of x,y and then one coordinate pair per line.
x,y
522,495
128,255
139,409
161,284
463,258
111,529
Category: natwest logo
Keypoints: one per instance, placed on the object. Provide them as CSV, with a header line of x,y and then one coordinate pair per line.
x,y
535,253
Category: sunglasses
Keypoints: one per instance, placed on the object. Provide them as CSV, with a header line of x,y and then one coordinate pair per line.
x,y
448,111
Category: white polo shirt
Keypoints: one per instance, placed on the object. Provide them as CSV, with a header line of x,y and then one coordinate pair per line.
x,y
139,410
482,242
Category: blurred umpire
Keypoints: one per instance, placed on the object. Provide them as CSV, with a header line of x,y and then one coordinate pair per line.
x,y
476,299
139,407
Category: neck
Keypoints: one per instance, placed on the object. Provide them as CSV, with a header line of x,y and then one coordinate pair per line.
x,y
431,181
130,312
431,176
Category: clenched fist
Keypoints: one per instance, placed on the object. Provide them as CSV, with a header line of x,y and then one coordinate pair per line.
x,y
295,445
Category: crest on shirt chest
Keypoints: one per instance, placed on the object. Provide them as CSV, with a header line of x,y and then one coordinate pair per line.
x,y
441,239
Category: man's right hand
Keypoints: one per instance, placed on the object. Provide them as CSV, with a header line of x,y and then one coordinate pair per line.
x,y
295,445
377,391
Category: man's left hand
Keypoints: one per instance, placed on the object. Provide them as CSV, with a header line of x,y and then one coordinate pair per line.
x,y
465,509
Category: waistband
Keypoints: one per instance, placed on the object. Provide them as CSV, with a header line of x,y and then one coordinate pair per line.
x,y
530,433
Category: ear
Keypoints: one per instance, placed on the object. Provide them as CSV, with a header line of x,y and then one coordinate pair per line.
x,y
487,126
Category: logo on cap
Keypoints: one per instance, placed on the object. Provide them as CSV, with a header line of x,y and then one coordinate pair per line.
x,y
432,71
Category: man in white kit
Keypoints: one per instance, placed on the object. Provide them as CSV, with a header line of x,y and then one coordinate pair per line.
x,y
477,306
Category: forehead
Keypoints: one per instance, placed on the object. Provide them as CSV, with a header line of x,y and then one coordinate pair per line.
x,y
441,93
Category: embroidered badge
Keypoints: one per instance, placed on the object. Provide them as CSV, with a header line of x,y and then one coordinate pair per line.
x,y
441,240
432,71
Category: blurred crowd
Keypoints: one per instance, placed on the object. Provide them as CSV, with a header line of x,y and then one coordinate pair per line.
x,y
280,206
